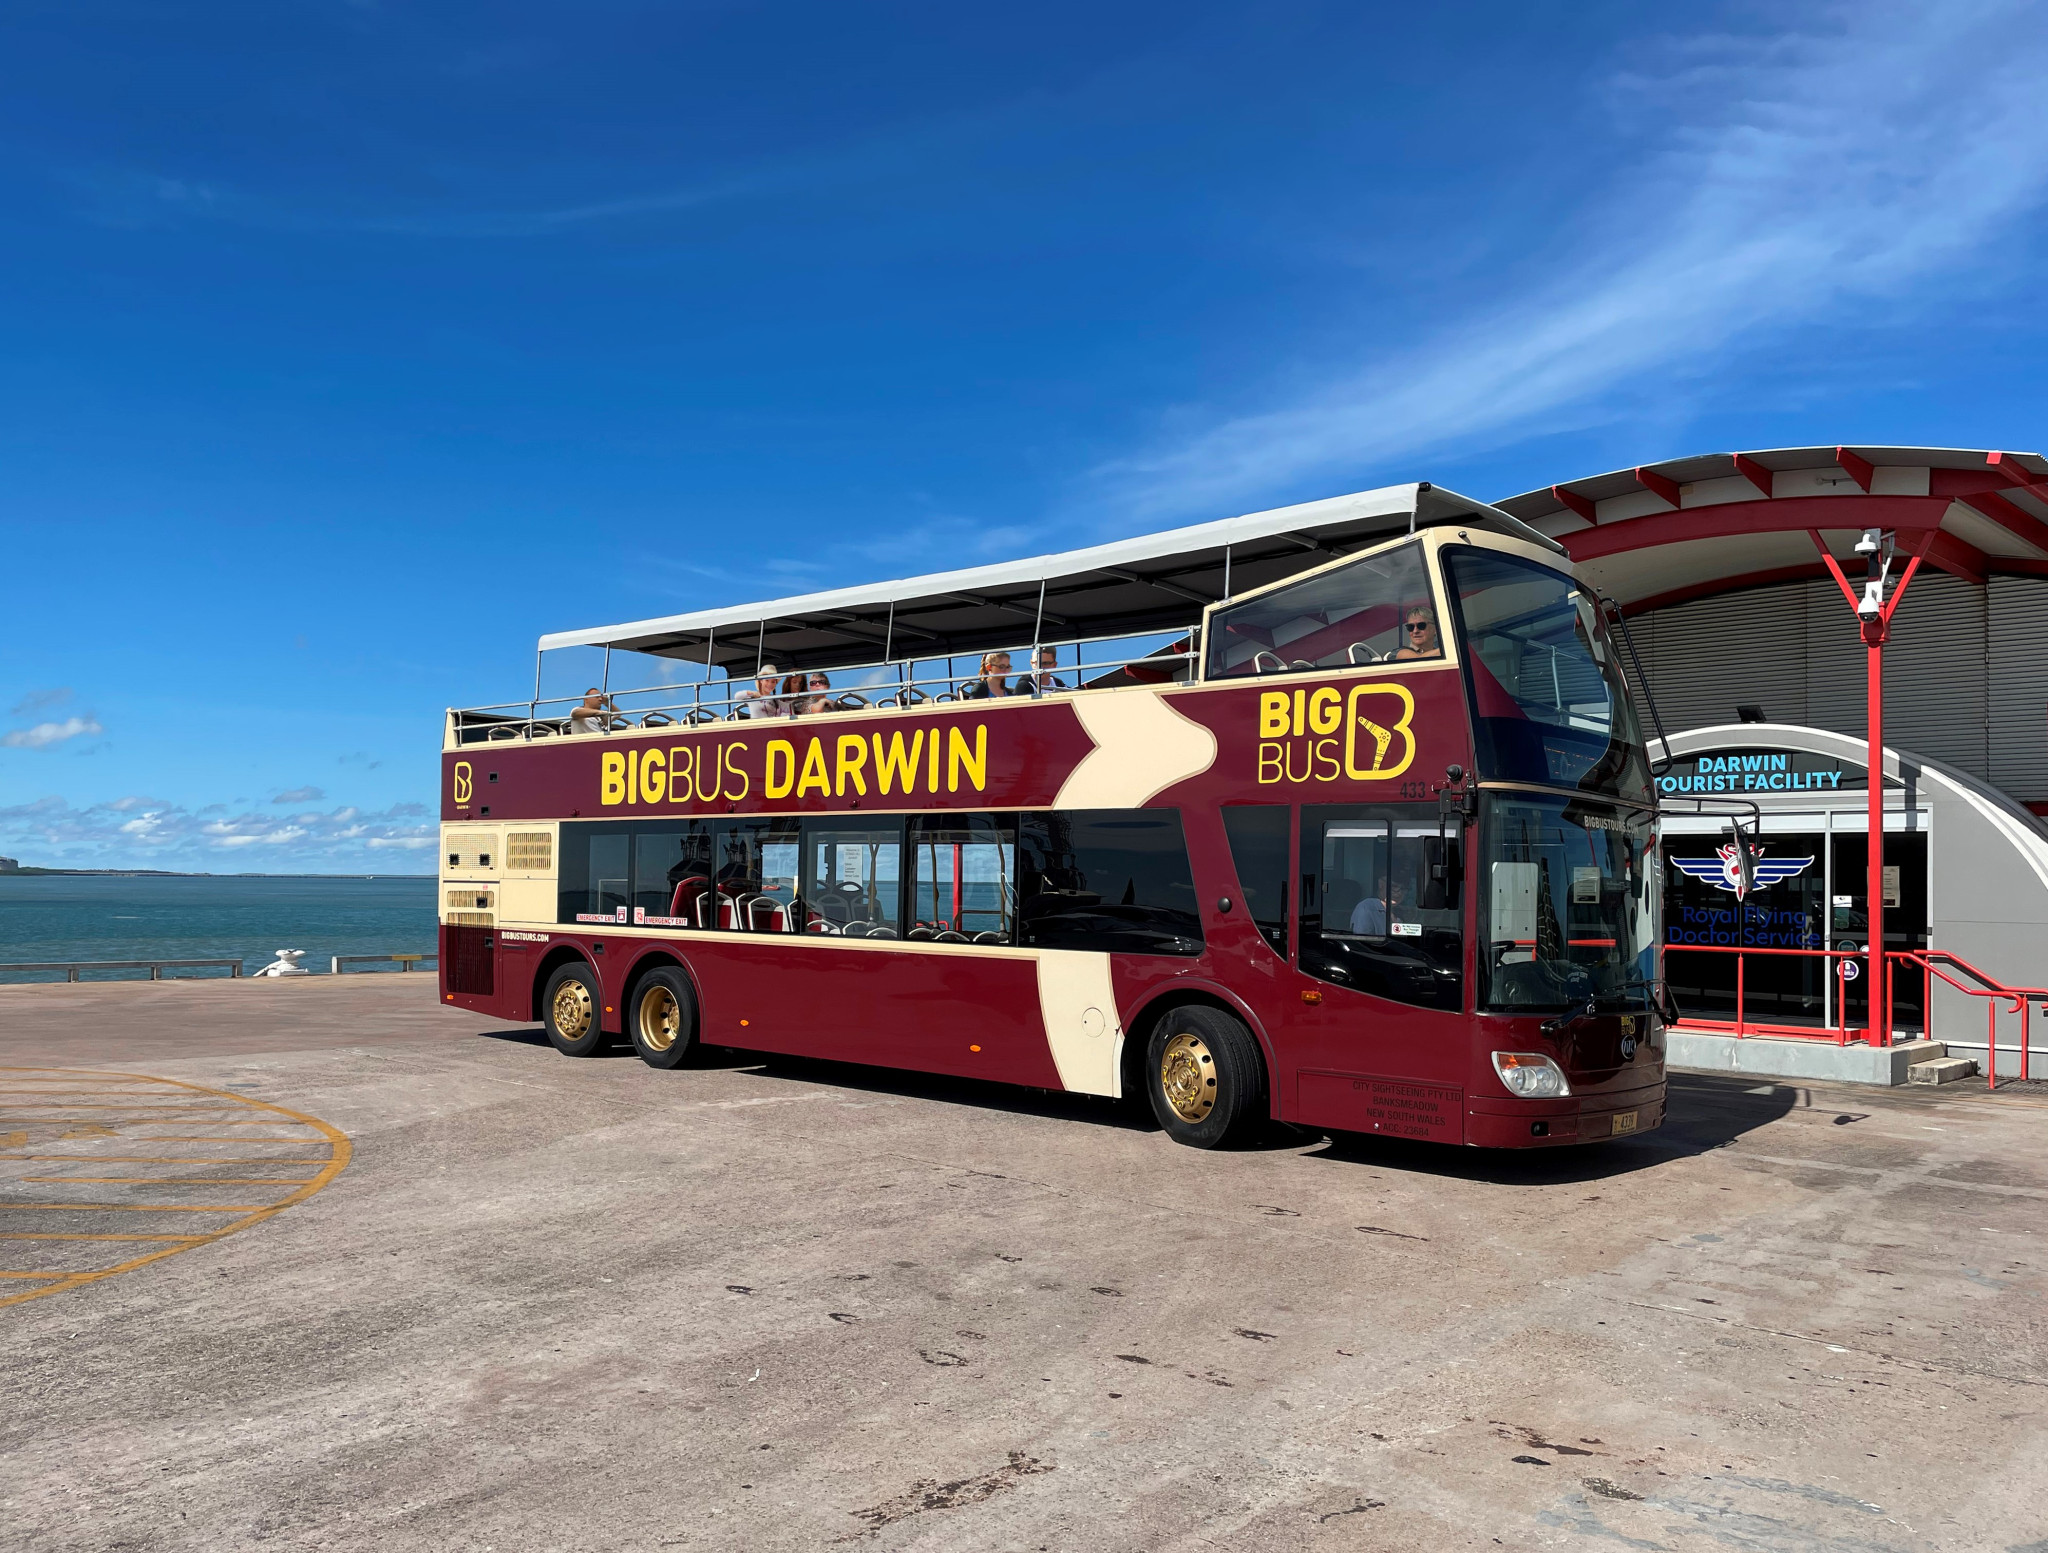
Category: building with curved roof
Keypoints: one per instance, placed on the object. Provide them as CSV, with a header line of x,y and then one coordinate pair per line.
x,y
1754,658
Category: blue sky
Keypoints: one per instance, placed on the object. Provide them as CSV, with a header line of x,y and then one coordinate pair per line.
x,y
347,347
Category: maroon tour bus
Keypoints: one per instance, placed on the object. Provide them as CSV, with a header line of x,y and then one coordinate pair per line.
x,y
1337,814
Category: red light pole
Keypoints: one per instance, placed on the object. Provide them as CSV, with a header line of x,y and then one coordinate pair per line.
x,y
1874,619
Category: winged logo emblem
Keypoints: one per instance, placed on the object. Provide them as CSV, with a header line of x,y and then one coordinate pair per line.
x,y
1720,871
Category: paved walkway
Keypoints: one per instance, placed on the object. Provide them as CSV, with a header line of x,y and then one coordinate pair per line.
x,y
551,1304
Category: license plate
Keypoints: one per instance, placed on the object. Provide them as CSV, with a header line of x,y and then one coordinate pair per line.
x,y
1624,1121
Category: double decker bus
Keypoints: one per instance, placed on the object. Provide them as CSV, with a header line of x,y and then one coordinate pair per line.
x,y
1337,814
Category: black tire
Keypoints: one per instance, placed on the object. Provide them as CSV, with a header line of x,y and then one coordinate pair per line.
x,y
572,1009
1205,1077
661,1016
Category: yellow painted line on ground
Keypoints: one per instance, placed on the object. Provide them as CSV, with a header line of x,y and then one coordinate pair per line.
x,y
31,1234
46,1277
337,1140
169,1180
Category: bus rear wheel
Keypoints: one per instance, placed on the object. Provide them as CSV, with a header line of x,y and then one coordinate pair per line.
x,y
569,1010
1205,1077
663,1019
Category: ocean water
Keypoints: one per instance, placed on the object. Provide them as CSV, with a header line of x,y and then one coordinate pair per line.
x,y
97,917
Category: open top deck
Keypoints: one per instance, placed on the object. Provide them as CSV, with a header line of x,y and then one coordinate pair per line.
x,y
1151,584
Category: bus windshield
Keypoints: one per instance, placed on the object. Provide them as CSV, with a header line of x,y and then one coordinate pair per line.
x,y
1569,892
1549,703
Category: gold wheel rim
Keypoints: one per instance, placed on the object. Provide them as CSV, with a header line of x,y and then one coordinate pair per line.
x,y
1187,1077
661,1019
572,1010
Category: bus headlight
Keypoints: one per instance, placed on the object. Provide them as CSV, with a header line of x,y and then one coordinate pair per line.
x,y
1531,1075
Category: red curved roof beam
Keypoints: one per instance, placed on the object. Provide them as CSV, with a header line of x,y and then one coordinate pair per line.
x,y
2006,464
1791,514
1856,467
1754,473
2020,525
1658,485
1574,501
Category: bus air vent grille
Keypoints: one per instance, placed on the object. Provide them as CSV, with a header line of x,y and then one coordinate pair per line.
x,y
530,851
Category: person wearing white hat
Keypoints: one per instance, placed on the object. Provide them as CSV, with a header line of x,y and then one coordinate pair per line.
x,y
762,700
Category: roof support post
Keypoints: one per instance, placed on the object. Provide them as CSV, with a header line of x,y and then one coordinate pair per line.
x,y
1037,629
604,684
533,706
1226,574
760,649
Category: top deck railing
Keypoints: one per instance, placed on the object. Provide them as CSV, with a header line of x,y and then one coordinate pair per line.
x,y
698,703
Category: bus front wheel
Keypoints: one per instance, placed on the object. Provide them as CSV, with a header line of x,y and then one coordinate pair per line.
x,y
1205,1077
570,1007
662,1018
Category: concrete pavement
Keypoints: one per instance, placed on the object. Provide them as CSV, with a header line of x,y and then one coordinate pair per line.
x,y
584,1305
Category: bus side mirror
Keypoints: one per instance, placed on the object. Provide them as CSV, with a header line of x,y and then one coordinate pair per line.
x,y
1442,871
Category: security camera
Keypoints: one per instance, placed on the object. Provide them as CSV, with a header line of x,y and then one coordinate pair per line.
x,y
1872,542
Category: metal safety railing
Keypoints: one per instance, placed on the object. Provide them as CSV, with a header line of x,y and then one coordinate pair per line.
x,y
1944,966
156,968
406,962
1835,1027
700,702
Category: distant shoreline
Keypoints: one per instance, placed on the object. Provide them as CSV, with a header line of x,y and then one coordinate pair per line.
x,y
166,873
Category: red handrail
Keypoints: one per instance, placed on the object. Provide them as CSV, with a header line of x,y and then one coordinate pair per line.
x,y
1932,963
1840,1031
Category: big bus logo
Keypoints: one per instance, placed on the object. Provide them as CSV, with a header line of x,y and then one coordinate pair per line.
x,y
1324,734
463,782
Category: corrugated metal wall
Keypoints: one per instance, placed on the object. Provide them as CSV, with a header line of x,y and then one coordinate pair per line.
x,y
1966,673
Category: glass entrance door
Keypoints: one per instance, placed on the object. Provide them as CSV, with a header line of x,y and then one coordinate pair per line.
x,y
1905,917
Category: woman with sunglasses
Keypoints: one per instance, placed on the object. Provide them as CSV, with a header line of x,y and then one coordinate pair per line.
x,y
1418,633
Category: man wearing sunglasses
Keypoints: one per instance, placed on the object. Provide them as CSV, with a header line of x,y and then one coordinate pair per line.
x,y
1418,633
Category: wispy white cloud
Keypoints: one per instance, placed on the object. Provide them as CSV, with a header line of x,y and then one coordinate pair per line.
x,y
43,735
1843,162
300,795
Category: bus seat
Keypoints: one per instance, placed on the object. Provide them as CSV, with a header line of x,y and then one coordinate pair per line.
x,y
948,936
683,902
700,909
881,930
988,936
857,930
762,910
922,930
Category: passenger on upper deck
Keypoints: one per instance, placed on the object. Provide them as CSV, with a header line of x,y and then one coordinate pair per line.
x,y
1048,660
820,697
994,681
1418,630
761,701
596,713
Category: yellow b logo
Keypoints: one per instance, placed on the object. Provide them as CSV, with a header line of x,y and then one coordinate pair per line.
x,y
1388,744
462,781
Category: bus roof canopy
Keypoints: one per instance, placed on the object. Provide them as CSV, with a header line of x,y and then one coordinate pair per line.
x,y
1153,583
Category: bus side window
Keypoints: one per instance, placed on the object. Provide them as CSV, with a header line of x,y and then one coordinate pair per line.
x,y
852,878
1365,923
963,880
1107,879
1258,846
596,860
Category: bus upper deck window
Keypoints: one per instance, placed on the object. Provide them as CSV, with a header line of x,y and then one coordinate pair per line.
x,y
1351,615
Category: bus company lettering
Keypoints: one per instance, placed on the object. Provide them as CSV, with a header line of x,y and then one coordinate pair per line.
x,y
1325,734
825,765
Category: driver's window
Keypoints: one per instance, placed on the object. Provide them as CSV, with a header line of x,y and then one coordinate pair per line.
x,y
853,878
1377,609
1365,875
